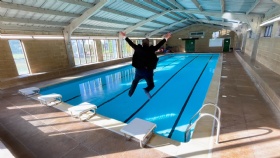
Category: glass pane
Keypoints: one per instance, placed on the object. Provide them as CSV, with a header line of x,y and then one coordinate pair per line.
x,y
105,49
270,31
115,49
87,51
127,50
19,57
81,51
138,41
104,46
124,51
75,52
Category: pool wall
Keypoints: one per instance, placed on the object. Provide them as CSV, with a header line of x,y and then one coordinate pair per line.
x,y
112,70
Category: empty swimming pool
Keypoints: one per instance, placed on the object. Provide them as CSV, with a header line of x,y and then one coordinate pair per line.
x,y
181,84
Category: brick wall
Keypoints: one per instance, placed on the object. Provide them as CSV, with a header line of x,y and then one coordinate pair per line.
x,y
201,44
269,53
46,55
249,46
268,49
47,59
7,65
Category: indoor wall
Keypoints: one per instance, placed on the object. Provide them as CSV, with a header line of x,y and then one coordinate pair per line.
x,y
47,59
249,46
202,43
268,48
46,55
7,65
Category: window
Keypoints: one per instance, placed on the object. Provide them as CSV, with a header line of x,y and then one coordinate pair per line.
x,y
127,51
154,42
84,51
138,42
215,34
90,51
196,33
81,51
19,56
93,51
250,34
75,52
268,30
109,49
279,28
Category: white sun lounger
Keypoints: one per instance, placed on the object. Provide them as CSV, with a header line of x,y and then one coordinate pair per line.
x,y
29,91
139,129
82,110
50,99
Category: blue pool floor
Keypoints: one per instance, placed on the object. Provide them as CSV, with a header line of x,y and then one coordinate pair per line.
x,y
179,82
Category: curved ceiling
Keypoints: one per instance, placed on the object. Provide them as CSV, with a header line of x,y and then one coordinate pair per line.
x,y
137,18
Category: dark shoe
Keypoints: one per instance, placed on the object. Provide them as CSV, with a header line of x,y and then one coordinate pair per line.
x,y
129,94
147,93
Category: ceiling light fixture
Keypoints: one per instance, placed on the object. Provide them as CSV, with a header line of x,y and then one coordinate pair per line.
x,y
47,37
10,36
269,21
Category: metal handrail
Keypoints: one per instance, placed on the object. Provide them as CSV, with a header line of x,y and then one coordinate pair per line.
x,y
219,114
190,126
202,115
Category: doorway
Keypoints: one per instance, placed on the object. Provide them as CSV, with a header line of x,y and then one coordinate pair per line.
x,y
190,45
226,45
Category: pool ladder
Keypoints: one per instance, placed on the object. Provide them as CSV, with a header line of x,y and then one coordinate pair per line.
x,y
191,125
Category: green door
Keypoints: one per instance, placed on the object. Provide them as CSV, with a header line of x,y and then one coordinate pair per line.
x,y
190,45
226,45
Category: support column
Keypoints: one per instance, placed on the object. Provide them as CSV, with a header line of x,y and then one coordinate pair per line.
x,y
68,30
69,50
120,50
256,44
239,40
99,50
256,29
244,38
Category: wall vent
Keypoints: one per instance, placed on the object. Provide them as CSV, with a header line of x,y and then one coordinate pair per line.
x,y
196,33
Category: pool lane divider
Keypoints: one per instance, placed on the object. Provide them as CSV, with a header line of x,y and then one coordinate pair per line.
x,y
159,90
105,85
72,98
186,102
98,106
80,94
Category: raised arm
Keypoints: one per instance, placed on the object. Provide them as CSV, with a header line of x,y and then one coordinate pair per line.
x,y
123,34
166,37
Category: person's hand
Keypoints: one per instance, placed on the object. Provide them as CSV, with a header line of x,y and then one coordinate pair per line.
x,y
123,34
168,35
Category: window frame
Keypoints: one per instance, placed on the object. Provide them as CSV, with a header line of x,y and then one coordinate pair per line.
x,y
268,31
250,34
24,57
84,58
278,29
127,50
109,49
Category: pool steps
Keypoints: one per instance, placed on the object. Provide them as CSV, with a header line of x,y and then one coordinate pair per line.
x,y
201,115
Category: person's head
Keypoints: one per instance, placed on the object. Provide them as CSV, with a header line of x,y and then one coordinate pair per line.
x,y
145,42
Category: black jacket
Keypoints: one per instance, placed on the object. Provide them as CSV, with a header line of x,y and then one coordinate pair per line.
x,y
144,57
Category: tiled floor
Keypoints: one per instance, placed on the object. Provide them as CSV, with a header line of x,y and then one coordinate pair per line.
x,y
250,126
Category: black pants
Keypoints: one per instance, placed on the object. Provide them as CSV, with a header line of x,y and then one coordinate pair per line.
x,y
148,75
